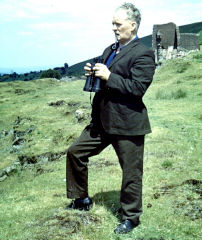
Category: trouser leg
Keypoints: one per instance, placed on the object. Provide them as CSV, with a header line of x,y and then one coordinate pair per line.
x,y
91,142
130,152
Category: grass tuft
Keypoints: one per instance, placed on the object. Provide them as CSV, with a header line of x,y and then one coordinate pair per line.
x,y
176,94
167,164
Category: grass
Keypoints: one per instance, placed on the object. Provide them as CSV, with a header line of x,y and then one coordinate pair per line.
x,y
39,117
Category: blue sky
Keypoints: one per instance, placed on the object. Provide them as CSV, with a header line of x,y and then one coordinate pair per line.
x,y
49,33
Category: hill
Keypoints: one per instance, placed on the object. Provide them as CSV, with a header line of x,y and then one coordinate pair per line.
x,y
38,124
191,28
77,69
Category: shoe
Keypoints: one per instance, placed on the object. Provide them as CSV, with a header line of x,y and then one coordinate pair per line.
x,y
81,204
120,210
126,226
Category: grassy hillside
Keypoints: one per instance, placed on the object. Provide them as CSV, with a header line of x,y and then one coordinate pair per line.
x,y
37,124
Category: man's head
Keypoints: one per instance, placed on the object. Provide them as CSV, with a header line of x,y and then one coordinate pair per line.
x,y
126,22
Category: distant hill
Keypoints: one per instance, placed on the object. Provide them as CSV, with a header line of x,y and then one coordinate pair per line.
x,y
77,69
191,28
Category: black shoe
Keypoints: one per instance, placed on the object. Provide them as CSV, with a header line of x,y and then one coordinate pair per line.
x,y
126,226
120,210
81,204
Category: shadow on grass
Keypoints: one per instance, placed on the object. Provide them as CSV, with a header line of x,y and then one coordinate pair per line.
x,y
109,200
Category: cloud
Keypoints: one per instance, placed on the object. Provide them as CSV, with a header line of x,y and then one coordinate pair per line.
x,y
11,10
95,10
26,33
77,29
54,26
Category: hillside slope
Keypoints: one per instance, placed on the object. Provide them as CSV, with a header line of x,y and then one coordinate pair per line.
x,y
38,124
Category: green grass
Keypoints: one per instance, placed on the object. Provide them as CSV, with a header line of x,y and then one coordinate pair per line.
x,y
33,199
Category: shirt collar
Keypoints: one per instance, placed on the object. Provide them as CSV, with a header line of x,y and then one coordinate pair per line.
x,y
122,46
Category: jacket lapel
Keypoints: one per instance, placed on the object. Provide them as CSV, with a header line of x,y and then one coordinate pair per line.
x,y
107,53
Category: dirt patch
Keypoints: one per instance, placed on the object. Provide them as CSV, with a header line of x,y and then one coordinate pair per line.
x,y
44,157
57,103
189,198
40,170
67,223
59,195
190,184
73,222
20,91
19,138
191,209
100,163
74,104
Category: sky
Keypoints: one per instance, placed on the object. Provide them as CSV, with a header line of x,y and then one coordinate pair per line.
x,y
49,33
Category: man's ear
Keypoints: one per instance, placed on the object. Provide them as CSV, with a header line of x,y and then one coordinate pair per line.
x,y
134,26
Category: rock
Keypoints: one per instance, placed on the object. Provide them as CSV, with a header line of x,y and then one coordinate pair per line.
x,y
11,169
80,115
3,178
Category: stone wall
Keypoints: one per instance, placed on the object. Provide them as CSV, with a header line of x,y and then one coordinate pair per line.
x,y
189,41
169,35
168,42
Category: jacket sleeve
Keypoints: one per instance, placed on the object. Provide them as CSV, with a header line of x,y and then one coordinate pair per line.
x,y
137,78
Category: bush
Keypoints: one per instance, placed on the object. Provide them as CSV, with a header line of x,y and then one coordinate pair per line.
x,y
51,74
200,37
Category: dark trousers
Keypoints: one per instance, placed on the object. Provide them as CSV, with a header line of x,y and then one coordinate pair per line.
x,y
129,150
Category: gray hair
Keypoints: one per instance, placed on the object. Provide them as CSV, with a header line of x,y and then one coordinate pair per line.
x,y
132,12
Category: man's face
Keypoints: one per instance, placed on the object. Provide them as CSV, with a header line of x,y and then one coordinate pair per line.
x,y
123,28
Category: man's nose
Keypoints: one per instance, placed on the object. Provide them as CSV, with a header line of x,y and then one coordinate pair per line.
x,y
114,27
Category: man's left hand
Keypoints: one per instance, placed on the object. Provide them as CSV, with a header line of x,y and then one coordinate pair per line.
x,y
101,71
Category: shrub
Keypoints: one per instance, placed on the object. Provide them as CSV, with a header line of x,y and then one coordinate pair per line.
x,y
200,37
51,74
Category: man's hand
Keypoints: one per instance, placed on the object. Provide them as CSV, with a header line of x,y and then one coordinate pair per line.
x,y
88,70
101,71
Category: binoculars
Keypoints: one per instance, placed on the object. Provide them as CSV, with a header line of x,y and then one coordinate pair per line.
x,y
93,83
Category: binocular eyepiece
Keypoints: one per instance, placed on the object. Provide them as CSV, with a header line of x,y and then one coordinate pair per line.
x,y
93,83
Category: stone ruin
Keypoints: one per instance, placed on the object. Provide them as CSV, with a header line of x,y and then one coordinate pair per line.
x,y
169,43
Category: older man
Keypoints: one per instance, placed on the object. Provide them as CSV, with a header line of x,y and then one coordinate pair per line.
x,y
119,117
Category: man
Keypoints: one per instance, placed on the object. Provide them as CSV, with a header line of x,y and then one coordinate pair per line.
x,y
119,117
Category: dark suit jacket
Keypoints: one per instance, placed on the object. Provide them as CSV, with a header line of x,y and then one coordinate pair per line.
x,y
119,107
